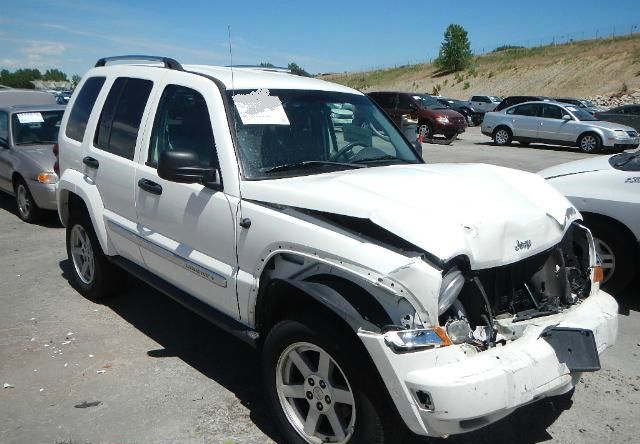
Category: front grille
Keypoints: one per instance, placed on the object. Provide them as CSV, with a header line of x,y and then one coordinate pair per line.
x,y
457,120
632,133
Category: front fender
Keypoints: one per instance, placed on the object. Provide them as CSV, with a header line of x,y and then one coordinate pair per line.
x,y
74,182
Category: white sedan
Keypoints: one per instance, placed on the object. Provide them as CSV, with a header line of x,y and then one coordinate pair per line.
x,y
606,190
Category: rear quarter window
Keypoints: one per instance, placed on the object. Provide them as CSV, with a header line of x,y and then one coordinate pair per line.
x,y
117,130
82,108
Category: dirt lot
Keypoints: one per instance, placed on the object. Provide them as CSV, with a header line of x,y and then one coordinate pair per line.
x,y
140,368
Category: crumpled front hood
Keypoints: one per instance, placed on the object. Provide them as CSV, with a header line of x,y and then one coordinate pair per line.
x,y
493,215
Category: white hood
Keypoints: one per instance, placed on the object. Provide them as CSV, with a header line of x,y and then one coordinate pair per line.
x,y
590,164
488,213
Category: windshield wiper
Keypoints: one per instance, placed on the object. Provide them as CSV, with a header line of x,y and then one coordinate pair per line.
x,y
311,164
381,159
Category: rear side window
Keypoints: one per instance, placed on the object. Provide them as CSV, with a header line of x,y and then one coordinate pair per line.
x,y
182,124
117,130
529,109
82,107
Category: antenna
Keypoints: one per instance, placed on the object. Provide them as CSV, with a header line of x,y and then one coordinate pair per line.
x,y
230,58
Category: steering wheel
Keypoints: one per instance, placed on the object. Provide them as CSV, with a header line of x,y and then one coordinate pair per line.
x,y
345,149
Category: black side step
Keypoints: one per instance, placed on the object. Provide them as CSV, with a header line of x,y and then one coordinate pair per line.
x,y
194,304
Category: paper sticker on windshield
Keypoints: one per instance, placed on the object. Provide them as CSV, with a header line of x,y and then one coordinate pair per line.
x,y
260,108
30,118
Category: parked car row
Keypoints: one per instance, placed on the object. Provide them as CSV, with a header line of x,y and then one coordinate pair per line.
x,y
557,123
379,309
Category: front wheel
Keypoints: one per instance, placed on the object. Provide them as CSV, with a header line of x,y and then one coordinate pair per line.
x,y
617,254
321,389
425,130
28,210
590,143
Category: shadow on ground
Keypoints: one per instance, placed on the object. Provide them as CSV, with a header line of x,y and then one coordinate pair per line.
x,y
49,219
232,364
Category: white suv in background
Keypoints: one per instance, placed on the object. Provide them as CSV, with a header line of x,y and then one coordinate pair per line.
x,y
381,291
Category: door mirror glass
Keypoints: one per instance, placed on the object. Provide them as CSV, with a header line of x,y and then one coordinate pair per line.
x,y
185,167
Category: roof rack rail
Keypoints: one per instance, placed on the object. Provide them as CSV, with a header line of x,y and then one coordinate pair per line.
x,y
262,68
168,62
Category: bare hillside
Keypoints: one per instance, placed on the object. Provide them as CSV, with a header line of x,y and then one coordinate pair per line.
x,y
586,68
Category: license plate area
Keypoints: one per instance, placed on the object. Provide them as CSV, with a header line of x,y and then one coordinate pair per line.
x,y
576,347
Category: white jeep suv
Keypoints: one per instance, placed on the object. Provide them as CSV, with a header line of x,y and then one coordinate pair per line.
x,y
381,291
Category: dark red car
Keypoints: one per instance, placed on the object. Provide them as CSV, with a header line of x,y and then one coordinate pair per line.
x,y
433,117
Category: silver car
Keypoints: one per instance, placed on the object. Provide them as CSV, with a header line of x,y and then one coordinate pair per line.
x,y
557,124
27,135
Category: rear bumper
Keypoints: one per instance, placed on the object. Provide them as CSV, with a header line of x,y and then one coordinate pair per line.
x,y
469,390
44,194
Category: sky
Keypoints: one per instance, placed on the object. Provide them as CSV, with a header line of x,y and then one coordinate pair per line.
x,y
320,36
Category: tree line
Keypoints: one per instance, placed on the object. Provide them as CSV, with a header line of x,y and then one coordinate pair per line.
x,y
23,78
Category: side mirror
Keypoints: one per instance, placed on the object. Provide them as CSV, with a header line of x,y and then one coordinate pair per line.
x,y
566,117
413,107
184,167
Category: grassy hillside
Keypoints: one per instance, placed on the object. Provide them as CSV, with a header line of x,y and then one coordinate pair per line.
x,y
585,68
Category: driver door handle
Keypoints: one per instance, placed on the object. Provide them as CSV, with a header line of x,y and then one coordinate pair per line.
x,y
150,186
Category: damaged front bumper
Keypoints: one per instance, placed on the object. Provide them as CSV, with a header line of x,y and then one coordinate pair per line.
x,y
457,389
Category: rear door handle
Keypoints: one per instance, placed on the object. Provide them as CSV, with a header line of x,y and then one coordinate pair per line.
x,y
91,162
150,186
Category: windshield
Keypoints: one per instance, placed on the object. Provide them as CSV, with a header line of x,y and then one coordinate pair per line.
x,y
588,103
36,128
580,114
294,132
495,99
428,102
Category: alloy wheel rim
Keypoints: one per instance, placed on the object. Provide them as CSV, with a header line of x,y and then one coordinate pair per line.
x,y
315,394
502,137
24,205
424,131
82,254
607,259
588,143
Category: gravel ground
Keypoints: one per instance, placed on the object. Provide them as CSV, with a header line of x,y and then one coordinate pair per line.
x,y
140,368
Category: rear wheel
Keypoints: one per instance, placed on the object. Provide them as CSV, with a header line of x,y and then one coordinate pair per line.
x,y
502,136
91,272
28,210
590,143
321,389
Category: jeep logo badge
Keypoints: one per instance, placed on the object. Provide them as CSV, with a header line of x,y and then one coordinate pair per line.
x,y
524,245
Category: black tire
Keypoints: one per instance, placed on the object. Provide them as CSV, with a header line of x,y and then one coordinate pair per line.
x,y
376,421
590,143
106,277
624,249
502,136
28,210
425,129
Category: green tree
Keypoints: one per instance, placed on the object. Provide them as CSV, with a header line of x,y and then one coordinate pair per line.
x,y
75,79
20,78
455,52
297,70
266,65
55,75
